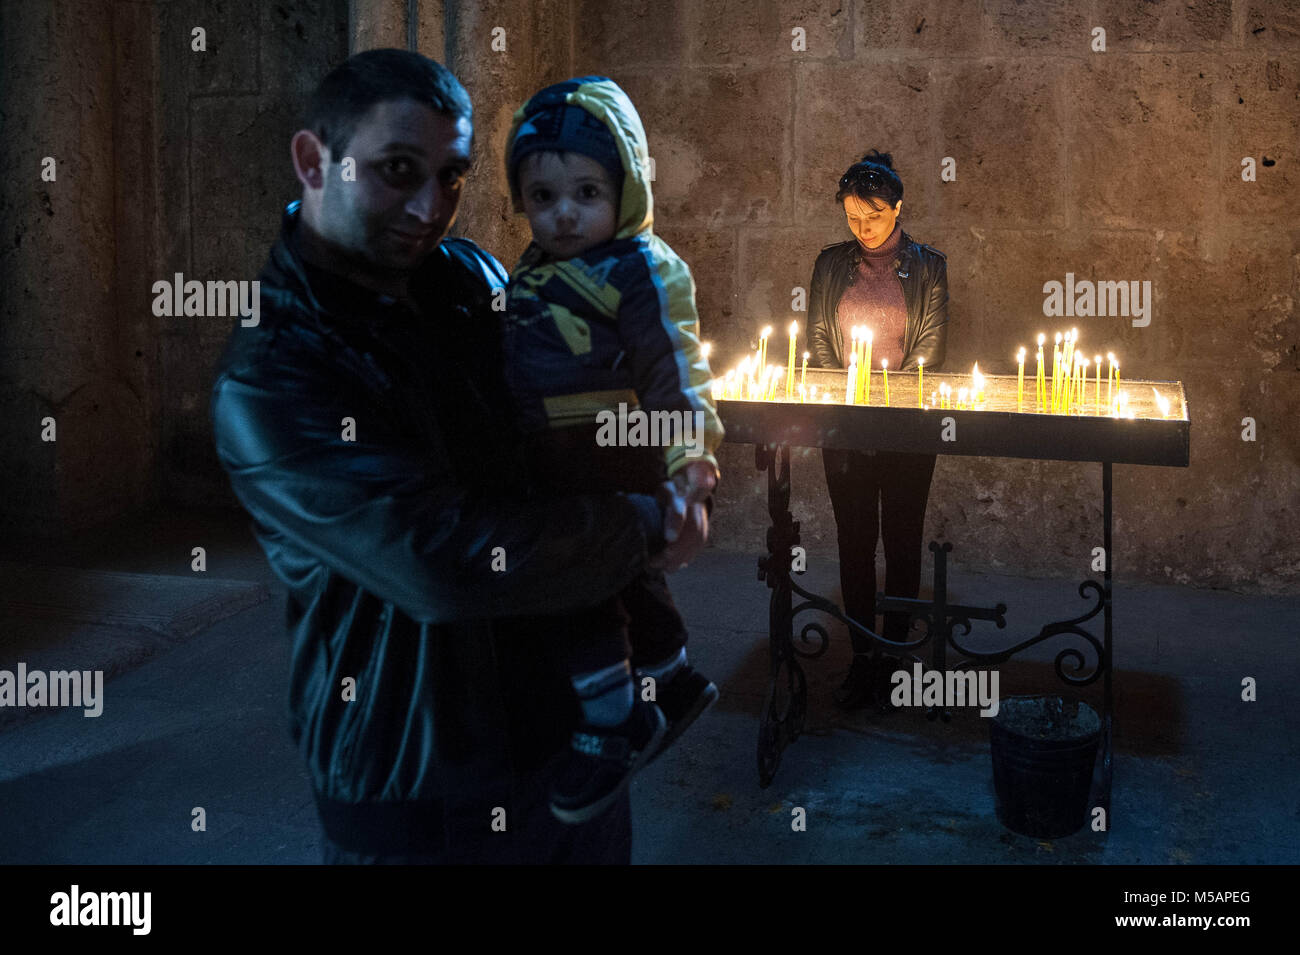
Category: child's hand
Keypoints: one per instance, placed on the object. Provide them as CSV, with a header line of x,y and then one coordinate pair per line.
x,y
696,481
674,512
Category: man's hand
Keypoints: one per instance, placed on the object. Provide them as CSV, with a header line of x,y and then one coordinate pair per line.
x,y
686,528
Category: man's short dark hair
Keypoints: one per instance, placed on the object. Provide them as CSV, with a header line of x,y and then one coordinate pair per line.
x,y
348,92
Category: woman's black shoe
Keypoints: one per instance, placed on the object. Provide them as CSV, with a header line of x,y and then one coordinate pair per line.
x,y
859,687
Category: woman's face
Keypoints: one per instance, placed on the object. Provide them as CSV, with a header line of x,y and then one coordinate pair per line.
x,y
871,220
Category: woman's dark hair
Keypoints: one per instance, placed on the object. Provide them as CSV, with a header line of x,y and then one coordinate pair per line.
x,y
348,91
872,176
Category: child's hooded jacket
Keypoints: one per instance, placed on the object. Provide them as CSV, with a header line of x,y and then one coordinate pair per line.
x,y
616,324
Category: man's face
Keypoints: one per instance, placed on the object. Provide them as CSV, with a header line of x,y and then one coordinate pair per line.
x,y
571,203
410,166
871,226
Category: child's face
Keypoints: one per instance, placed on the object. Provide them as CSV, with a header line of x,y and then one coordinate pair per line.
x,y
570,202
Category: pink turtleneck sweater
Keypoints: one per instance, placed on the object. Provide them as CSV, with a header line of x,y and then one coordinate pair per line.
x,y
874,298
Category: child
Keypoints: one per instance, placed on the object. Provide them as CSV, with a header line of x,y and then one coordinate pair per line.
x,y
601,318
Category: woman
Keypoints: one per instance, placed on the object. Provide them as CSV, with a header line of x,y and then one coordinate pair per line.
x,y
882,278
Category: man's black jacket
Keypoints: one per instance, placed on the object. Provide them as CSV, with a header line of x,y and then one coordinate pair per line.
x,y
923,272
370,444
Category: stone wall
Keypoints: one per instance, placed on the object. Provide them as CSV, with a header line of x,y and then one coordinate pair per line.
x,y
1115,165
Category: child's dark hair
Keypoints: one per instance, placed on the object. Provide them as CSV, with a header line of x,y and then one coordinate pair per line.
x,y
349,90
872,176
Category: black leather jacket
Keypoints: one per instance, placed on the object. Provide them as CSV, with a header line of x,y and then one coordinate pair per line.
x,y
923,272
372,447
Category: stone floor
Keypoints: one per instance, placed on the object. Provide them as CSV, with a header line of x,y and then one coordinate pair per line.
x,y
1201,776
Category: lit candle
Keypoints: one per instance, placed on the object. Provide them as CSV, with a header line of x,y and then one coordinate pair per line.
x,y
850,390
1040,384
1161,402
920,380
884,370
1118,381
789,363
864,386
1056,369
961,397
854,359
1097,397
1020,380
1110,380
803,372
762,346
775,377
976,385
1083,386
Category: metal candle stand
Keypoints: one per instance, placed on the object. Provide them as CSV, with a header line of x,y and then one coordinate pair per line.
x,y
773,427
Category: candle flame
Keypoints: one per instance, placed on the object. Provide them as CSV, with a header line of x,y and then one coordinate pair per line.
x,y
767,330
920,362
705,348
794,329
1020,357
884,363
1041,338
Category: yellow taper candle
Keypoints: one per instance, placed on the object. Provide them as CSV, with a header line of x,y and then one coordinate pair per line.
x,y
803,372
851,384
789,365
1056,370
864,385
1097,397
1110,381
1020,380
920,381
884,370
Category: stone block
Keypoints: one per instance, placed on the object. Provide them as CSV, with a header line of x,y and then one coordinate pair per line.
x,y
1141,140
1002,124
628,34
1166,25
741,33
1257,104
920,27
717,162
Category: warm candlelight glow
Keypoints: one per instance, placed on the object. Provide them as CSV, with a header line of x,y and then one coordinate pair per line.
x,y
884,370
803,372
1161,402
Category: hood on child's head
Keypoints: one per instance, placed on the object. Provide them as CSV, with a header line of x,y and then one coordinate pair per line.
x,y
604,99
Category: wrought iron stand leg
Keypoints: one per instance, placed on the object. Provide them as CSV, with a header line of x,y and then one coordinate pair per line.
x,y
779,724
1107,764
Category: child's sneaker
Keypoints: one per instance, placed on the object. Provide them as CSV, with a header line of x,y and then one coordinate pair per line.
x,y
683,699
602,760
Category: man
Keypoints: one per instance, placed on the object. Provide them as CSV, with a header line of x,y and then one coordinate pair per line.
x,y
363,425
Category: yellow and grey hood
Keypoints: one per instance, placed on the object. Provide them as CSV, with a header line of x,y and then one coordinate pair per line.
x,y
605,100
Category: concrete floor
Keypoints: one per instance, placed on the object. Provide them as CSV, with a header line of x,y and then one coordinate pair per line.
x,y
1201,777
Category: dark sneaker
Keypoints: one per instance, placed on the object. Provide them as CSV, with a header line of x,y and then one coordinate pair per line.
x,y
601,761
683,700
